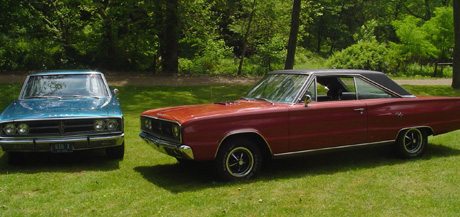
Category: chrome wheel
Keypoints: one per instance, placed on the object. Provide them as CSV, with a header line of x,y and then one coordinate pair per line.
x,y
413,141
238,159
239,162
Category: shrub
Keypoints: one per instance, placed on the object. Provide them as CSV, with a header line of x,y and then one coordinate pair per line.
x,y
369,55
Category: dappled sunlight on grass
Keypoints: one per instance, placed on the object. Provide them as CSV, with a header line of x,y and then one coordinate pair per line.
x,y
359,182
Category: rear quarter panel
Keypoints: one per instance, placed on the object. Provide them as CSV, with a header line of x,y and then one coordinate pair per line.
x,y
386,117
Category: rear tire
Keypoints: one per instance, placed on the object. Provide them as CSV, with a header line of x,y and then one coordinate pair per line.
x,y
238,159
411,143
116,153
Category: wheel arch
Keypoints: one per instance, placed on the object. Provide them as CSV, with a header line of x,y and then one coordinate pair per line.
x,y
427,129
253,135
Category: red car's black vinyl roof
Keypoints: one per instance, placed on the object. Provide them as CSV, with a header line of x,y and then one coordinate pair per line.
x,y
377,77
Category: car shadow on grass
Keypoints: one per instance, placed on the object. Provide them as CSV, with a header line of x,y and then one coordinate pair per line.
x,y
178,178
31,163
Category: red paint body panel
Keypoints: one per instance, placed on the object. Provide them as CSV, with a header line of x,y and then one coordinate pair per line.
x,y
327,124
291,128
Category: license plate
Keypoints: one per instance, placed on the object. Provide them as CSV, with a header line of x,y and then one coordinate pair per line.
x,y
61,147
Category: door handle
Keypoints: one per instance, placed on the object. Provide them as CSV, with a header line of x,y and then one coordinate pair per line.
x,y
361,110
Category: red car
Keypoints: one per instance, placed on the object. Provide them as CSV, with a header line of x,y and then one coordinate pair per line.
x,y
294,112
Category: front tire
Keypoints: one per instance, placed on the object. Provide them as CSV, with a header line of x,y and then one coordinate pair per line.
x,y
411,143
238,159
116,153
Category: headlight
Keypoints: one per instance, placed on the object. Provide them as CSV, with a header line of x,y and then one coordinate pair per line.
x,y
10,129
23,129
148,124
176,131
99,125
112,124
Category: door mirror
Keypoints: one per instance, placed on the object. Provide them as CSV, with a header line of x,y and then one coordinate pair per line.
x,y
307,100
115,91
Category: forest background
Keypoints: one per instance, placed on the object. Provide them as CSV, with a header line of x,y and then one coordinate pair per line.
x,y
401,37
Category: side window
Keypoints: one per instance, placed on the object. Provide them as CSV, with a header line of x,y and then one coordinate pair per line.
x,y
369,91
312,91
334,88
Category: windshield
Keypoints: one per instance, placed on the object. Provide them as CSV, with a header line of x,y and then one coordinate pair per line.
x,y
280,88
71,85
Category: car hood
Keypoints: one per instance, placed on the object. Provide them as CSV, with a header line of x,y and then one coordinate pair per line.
x,y
56,108
183,114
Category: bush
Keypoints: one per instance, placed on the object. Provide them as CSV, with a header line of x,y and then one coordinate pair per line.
x,y
369,55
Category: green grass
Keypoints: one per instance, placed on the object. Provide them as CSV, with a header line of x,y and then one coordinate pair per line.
x,y
363,182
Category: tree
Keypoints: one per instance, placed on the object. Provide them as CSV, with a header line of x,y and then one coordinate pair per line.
x,y
246,36
292,44
456,56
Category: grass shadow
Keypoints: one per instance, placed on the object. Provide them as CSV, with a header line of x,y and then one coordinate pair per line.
x,y
177,178
31,163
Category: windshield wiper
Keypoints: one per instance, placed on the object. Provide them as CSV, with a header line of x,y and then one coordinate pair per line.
x,y
41,97
82,96
265,99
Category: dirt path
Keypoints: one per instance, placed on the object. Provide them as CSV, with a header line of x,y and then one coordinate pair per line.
x,y
119,79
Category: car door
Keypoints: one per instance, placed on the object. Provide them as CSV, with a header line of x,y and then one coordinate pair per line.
x,y
334,117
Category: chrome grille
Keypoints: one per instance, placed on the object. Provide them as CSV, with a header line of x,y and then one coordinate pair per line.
x,y
42,128
159,128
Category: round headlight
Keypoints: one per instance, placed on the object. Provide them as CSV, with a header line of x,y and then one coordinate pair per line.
x,y
112,124
176,131
10,129
99,125
148,124
23,129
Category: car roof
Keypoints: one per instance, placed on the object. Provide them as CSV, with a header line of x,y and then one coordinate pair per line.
x,y
68,72
377,77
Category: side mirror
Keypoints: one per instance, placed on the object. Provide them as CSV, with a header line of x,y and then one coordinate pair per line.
x,y
115,91
307,100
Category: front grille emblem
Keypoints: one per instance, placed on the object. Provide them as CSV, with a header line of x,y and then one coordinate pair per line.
x,y
61,127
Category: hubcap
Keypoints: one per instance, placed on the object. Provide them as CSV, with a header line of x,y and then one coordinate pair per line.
x,y
413,141
239,162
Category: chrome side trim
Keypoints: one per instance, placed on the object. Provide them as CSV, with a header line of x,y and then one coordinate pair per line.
x,y
242,132
286,154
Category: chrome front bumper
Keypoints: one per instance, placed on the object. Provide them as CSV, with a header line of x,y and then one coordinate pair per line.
x,y
18,144
170,148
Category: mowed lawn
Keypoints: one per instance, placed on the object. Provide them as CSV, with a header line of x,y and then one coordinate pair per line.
x,y
363,182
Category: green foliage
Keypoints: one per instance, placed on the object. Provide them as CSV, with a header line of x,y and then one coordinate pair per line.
x,y
133,35
440,32
363,55
414,43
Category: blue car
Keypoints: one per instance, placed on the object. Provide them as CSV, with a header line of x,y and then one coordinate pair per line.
x,y
61,112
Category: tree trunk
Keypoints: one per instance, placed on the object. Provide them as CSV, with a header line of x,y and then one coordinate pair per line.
x,y
292,44
427,10
456,56
171,40
246,36
320,27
